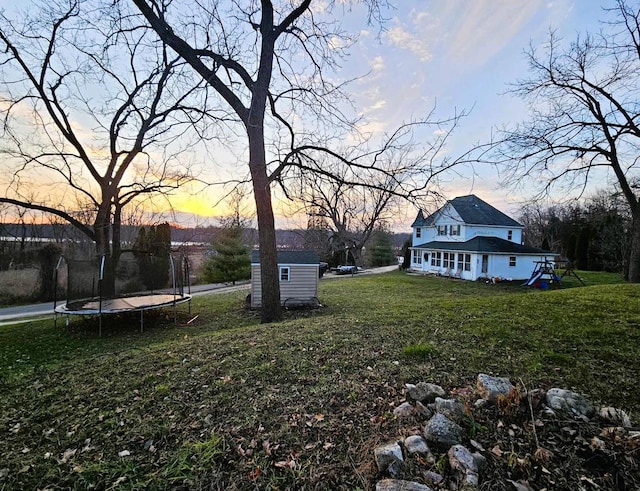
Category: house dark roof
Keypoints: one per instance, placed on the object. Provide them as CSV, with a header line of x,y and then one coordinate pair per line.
x,y
483,244
290,257
473,211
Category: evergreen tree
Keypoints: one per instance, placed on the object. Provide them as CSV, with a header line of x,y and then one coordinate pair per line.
x,y
380,252
230,260
406,254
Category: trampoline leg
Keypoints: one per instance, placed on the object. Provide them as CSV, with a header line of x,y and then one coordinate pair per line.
x,y
141,320
100,325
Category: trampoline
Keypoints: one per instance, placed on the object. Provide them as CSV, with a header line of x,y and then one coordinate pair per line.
x,y
138,282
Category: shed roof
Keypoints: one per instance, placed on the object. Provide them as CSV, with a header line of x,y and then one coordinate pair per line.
x,y
484,245
290,257
473,211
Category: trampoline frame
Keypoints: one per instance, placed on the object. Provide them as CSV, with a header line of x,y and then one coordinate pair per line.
x,y
171,299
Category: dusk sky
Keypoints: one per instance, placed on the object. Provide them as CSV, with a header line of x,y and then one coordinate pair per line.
x,y
463,54
459,55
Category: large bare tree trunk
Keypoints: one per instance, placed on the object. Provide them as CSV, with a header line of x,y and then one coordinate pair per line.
x,y
102,228
269,280
634,252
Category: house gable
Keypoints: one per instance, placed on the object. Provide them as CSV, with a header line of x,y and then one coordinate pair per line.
x,y
464,218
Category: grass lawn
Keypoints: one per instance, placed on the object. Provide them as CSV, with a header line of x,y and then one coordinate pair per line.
x,y
227,403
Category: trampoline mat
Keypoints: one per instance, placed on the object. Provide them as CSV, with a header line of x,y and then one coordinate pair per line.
x,y
121,304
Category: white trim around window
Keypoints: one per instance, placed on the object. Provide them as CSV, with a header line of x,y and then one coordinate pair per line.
x,y
285,273
417,256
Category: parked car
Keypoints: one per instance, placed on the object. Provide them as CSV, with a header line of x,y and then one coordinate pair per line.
x,y
350,269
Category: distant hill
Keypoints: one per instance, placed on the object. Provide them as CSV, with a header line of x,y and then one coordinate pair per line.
x,y
290,238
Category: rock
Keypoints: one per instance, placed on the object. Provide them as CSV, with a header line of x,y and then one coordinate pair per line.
x,y
451,408
569,402
423,410
404,410
615,416
389,457
480,403
466,464
492,387
424,392
433,479
416,444
441,430
398,485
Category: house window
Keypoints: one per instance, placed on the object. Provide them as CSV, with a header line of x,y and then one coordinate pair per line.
x,y
455,229
442,230
464,261
435,259
417,257
285,274
448,260
512,261
418,232
510,235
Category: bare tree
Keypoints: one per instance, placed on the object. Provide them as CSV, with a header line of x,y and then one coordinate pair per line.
x,y
585,117
269,61
351,213
93,112
236,49
356,192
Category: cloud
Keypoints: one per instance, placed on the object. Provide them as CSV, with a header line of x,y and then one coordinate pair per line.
x,y
337,43
400,36
371,127
479,30
378,105
377,64
465,31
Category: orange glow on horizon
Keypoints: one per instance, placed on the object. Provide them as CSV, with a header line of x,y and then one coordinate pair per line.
x,y
196,204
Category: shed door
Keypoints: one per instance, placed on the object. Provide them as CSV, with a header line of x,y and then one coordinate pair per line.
x,y
485,263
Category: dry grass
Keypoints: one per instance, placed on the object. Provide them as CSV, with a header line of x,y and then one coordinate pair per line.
x,y
227,403
18,284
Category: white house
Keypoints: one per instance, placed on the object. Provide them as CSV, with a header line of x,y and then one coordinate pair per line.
x,y
298,272
468,238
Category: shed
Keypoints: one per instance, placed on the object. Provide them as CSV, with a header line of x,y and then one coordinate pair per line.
x,y
299,276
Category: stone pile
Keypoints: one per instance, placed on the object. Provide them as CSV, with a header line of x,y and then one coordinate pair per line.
x,y
444,432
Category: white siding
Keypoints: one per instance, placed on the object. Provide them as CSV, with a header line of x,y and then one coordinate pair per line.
x,y
499,266
256,286
303,283
472,231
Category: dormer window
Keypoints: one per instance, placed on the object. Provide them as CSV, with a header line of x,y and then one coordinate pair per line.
x,y
509,234
442,230
455,229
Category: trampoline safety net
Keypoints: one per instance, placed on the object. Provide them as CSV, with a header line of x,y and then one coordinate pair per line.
x,y
133,274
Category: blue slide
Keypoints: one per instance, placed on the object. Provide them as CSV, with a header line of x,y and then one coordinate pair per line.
x,y
531,281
